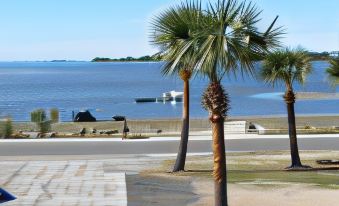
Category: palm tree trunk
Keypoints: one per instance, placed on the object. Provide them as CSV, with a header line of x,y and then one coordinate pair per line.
x,y
216,101
181,156
290,100
219,168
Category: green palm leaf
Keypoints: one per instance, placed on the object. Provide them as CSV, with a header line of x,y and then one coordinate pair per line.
x,y
286,66
173,31
333,71
230,39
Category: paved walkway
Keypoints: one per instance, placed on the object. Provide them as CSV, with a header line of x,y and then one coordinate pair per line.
x,y
75,182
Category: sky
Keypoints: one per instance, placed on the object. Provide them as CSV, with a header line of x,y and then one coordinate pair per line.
x,y
84,29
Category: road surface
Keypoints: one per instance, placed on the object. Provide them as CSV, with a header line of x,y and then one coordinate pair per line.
x,y
159,145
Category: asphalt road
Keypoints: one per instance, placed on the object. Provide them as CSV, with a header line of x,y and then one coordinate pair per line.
x,y
32,148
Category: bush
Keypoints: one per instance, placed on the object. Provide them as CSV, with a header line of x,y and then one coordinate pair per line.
x,y
38,116
54,114
44,126
6,128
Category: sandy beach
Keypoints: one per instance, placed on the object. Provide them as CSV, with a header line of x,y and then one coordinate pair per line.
x,y
317,96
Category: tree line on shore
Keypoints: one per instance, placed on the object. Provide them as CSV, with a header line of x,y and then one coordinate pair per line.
x,y
314,56
147,58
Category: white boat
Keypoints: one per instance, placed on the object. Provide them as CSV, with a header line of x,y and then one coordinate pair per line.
x,y
173,94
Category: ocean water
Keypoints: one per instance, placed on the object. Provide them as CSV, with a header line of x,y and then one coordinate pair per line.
x,y
109,89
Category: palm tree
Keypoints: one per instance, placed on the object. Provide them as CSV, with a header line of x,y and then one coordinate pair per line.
x,y
288,66
333,71
222,39
170,31
229,41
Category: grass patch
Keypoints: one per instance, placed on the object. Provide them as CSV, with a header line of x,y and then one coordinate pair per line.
x,y
278,177
265,168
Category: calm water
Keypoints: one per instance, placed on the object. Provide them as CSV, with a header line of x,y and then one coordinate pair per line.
x,y
109,89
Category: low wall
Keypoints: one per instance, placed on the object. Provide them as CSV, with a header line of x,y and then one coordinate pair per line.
x,y
299,131
135,126
301,121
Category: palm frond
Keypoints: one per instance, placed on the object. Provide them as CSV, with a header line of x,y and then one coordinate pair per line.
x,y
172,32
286,66
222,39
230,39
333,71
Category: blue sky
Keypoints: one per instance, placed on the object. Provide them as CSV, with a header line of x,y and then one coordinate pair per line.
x,y
84,29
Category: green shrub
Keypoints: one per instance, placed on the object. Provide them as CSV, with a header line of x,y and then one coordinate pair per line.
x,y
38,116
44,126
54,114
6,128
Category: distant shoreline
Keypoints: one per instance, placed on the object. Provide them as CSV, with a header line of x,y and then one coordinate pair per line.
x,y
123,61
153,58
317,96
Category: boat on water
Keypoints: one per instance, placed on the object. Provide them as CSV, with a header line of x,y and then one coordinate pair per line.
x,y
172,96
145,100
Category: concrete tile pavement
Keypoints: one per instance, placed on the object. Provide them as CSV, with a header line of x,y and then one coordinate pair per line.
x,y
73,182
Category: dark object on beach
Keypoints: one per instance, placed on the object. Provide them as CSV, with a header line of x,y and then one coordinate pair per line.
x,y
83,132
328,162
85,116
125,130
5,196
110,132
251,126
119,118
159,131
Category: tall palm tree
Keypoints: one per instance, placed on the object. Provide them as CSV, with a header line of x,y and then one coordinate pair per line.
x,y
229,41
288,66
333,71
170,31
223,39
